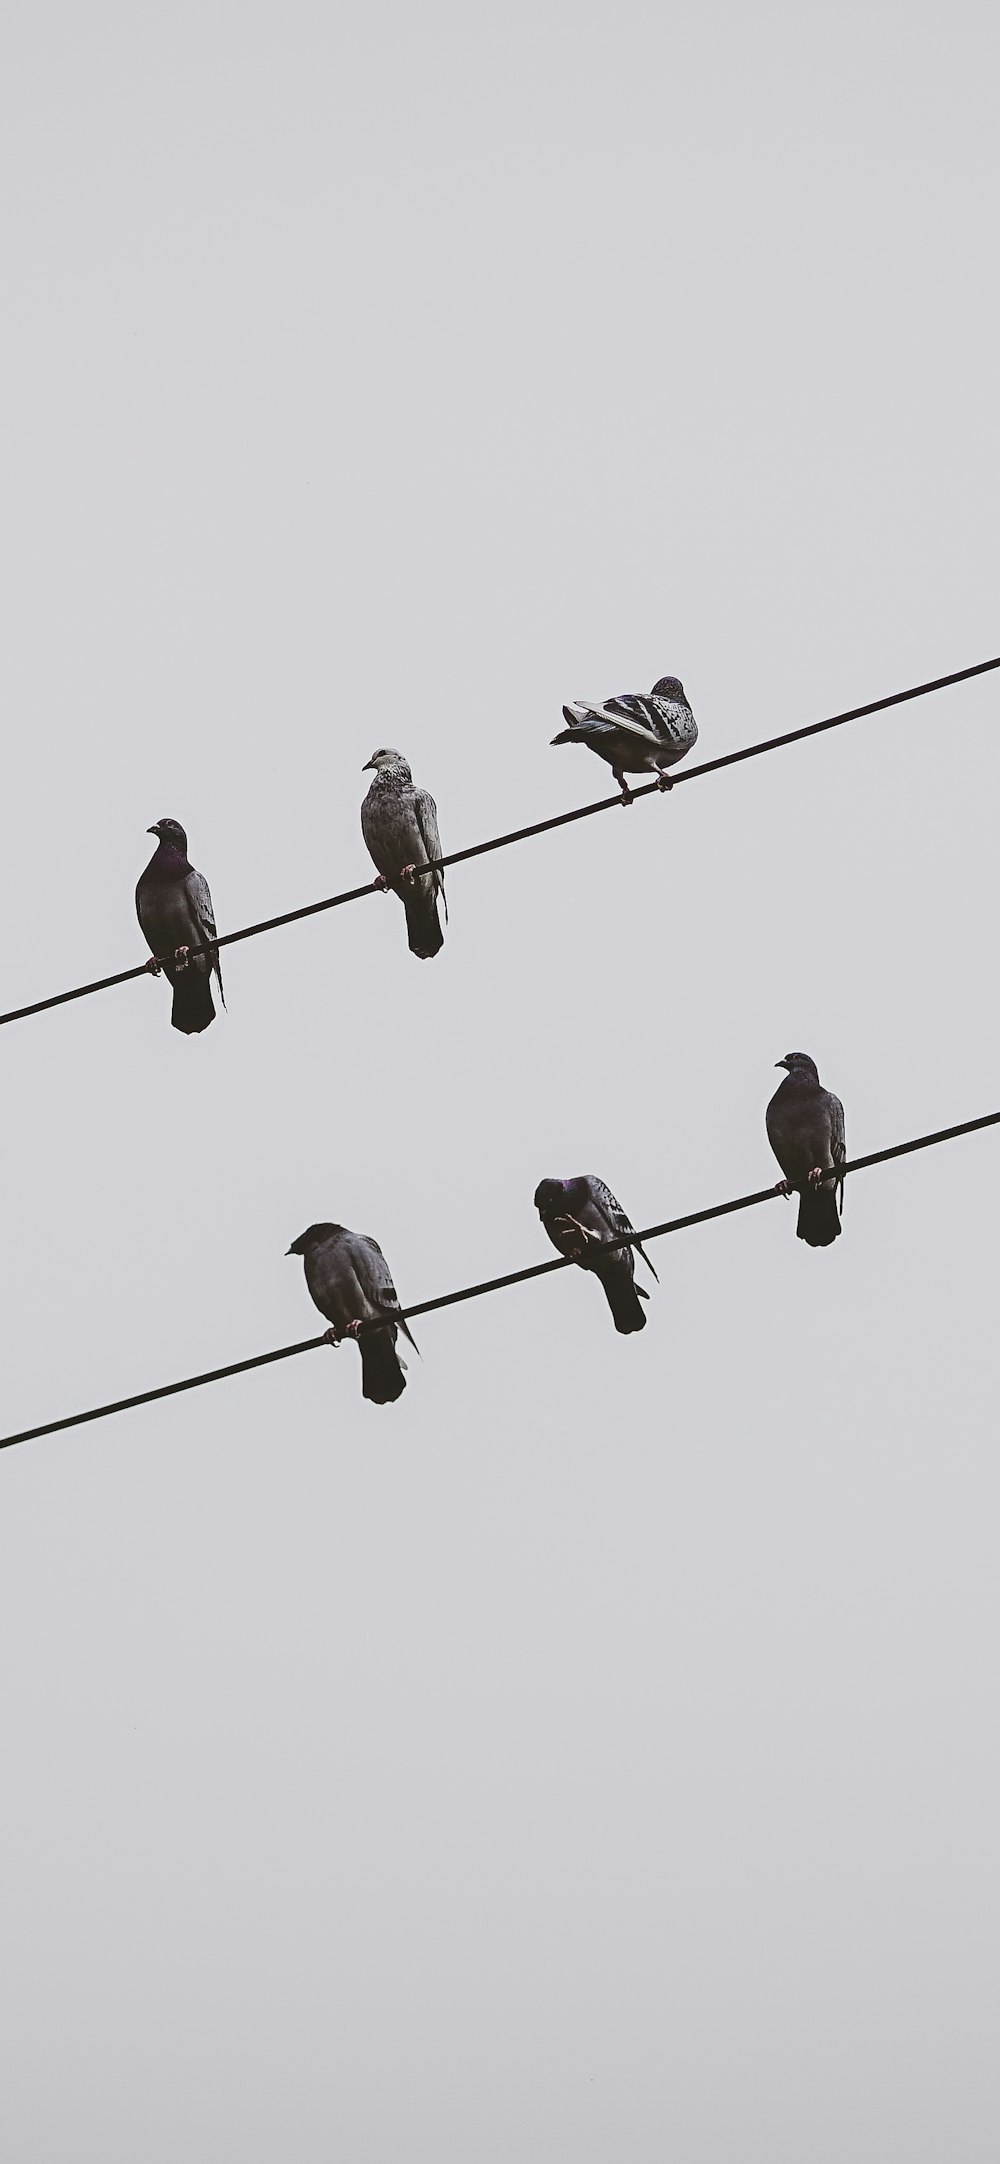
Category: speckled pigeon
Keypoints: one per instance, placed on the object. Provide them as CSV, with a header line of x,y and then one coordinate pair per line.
x,y
805,1128
400,826
174,908
348,1278
637,732
581,1216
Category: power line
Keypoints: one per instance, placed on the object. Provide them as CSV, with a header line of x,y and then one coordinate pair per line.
x,y
523,834
489,1284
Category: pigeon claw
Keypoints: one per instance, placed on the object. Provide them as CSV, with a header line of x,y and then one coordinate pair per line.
x,y
354,1328
816,1176
154,966
578,1236
627,797
781,1187
380,884
182,956
409,873
331,1336
664,781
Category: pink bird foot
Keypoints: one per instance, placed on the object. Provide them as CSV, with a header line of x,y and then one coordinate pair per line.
x,y
331,1336
182,956
155,967
382,885
781,1187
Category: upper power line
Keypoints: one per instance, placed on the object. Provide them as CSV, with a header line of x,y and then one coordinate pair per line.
x,y
522,834
489,1284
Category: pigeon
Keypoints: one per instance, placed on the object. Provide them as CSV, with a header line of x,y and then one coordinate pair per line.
x,y
805,1128
637,733
580,1217
400,827
348,1278
174,908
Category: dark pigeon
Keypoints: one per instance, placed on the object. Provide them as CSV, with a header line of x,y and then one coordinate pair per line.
x,y
581,1216
174,908
805,1128
348,1278
400,826
637,733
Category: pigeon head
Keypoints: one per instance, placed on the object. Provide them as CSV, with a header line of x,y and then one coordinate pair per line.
x,y
669,687
801,1066
547,1194
555,1195
385,757
172,833
313,1236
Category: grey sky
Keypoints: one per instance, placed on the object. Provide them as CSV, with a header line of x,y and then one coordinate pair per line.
x,y
594,1755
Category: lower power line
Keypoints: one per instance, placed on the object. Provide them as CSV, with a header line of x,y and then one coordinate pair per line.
x,y
490,1284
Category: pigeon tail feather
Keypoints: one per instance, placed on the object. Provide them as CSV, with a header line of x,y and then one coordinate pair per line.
x,y
382,1378
819,1218
623,1300
423,925
193,1006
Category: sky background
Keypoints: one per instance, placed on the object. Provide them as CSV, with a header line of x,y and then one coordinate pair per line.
x,y
595,1754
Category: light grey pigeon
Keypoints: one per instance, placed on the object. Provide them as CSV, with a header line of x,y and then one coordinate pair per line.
x,y
400,826
580,1217
174,908
348,1278
637,732
805,1128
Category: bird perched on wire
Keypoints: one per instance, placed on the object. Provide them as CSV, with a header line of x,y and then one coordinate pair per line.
x,y
400,826
348,1278
637,732
805,1128
174,908
581,1218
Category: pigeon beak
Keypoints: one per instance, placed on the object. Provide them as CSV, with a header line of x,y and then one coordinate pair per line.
x,y
289,1251
369,767
153,830
782,1063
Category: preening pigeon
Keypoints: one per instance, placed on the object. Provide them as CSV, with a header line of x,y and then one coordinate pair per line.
x,y
348,1278
400,826
637,733
174,908
581,1216
805,1128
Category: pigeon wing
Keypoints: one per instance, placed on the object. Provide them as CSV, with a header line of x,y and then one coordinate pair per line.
x,y
203,919
838,1139
619,1224
600,719
427,820
376,1281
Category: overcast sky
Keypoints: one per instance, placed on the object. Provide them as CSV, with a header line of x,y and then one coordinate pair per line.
x,y
593,1755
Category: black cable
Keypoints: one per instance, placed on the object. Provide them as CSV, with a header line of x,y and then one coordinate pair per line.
x,y
490,1284
523,834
